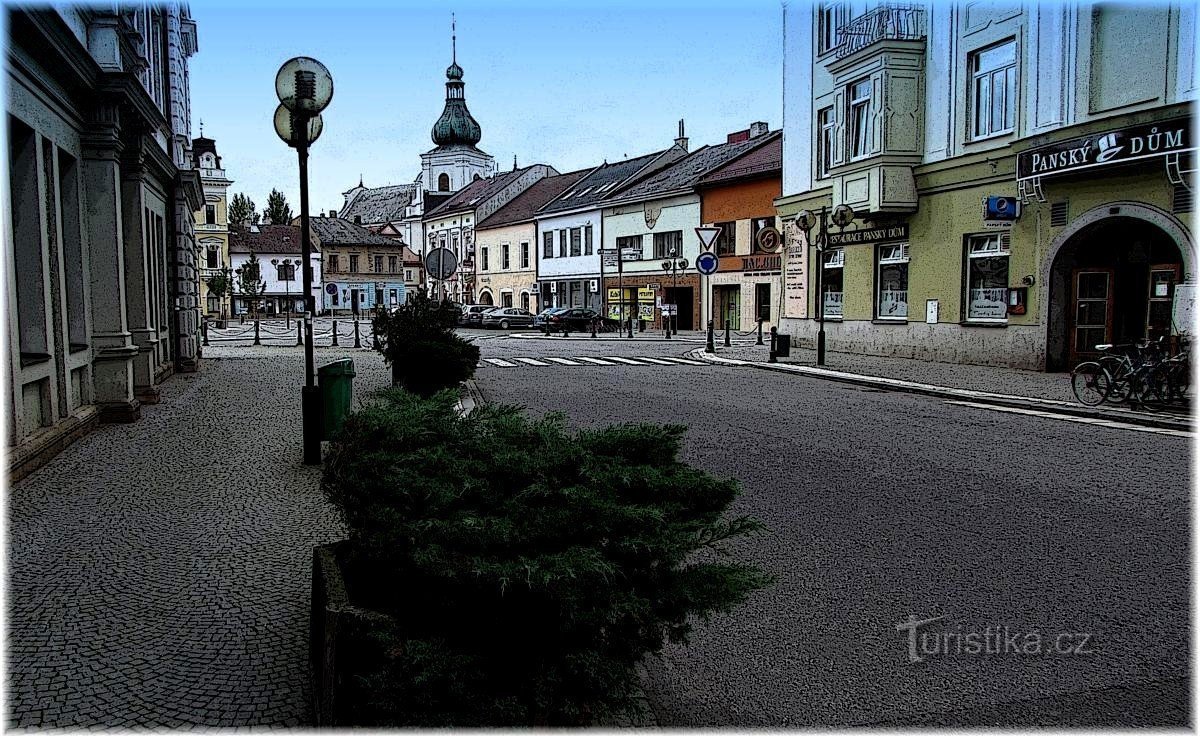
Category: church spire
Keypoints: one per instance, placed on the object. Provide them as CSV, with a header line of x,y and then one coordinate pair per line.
x,y
455,126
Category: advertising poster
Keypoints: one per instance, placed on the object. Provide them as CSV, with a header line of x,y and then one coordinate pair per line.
x,y
795,274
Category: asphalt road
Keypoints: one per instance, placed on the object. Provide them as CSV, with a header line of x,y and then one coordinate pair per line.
x,y
886,507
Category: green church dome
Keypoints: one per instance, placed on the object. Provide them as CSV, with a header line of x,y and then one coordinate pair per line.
x,y
456,126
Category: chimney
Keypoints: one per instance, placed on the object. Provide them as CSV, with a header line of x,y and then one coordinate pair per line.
x,y
682,141
758,128
358,220
737,136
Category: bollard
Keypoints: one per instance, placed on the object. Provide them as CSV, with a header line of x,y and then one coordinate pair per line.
x,y
771,359
727,331
708,347
357,343
667,325
759,333
204,331
334,334
299,333
256,341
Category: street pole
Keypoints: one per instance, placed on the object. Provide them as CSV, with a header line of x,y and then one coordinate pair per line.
x,y
621,281
820,248
310,397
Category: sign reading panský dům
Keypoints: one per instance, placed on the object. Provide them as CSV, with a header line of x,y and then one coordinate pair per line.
x,y
1113,147
869,235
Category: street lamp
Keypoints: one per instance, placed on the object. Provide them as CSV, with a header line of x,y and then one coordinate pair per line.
x,y
805,220
289,273
674,264
304,87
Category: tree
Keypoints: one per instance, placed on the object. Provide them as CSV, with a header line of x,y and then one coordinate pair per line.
x,y
221,285
277,212
418,340
242,211
250,283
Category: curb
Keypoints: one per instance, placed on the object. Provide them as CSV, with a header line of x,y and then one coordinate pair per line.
x,y
989,398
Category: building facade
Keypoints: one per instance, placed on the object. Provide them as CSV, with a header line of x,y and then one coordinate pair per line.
x,y
99,239
278,251
361,269
1021,177
506,243
212,224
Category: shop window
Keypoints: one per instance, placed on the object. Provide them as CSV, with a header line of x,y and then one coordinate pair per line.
x,y
726,243
987,277
891,280
832,281
993,89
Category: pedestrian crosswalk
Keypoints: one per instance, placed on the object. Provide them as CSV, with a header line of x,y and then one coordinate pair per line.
x,y
545,361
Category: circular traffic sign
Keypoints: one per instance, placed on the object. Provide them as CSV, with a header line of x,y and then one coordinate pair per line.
x,y
331,288
441,263
706,263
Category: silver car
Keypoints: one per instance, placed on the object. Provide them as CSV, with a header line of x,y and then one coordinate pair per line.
x,y
507,317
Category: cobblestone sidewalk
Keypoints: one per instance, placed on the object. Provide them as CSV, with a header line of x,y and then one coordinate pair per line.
x,y
159,572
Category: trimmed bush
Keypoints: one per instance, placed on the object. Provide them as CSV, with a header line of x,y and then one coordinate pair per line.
x,y
527,568
417,339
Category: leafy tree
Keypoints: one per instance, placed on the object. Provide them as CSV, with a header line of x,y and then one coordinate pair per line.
x,y
221,285
242,211
277,212
525,569
250,282
419,342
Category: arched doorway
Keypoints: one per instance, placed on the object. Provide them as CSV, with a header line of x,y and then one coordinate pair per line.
x,y
1112,280
485,298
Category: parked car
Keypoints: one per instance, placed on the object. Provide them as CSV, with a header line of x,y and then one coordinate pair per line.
x,y
472,315
539,320
507,317
580,319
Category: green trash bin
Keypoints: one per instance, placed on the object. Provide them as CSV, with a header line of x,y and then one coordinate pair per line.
x,y
336,380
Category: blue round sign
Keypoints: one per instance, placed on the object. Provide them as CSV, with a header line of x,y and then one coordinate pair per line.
x,y
331,289
706,263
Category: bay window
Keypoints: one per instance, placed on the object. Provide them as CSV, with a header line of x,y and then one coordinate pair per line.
x,y
860,119
891,281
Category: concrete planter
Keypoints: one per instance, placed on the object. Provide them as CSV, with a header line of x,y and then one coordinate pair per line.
x,y
337,631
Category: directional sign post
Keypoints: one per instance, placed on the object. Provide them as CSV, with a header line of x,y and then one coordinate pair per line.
x,y
708,236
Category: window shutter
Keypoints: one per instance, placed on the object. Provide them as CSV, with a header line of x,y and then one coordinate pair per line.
x,y
1005,242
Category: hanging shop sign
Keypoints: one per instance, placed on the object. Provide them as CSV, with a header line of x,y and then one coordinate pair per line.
x,y
1113,147
869,235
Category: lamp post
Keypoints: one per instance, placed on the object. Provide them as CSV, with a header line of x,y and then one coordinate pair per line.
x,y
805,221
304,87
289,273
674,265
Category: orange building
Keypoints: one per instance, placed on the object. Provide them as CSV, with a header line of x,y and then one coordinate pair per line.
x,y
739,197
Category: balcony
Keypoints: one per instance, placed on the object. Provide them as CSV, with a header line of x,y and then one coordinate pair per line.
x,y
886,23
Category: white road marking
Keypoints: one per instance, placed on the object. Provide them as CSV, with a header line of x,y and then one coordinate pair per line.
x,y
531,362
566,362
1075,419
591,360
683,361
654,361
500,362
623,360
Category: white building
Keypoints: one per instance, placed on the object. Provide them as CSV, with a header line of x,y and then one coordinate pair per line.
x,y
278,251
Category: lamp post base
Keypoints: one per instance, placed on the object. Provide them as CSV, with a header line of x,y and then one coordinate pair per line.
x,y
311,421
821,347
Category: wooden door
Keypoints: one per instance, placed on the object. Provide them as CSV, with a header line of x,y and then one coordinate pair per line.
x,y
1163,278
1091,311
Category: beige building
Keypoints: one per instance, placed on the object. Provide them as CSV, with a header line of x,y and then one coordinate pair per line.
x,y
212,223
505,243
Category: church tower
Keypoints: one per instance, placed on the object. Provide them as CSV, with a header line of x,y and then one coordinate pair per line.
x,y
456,162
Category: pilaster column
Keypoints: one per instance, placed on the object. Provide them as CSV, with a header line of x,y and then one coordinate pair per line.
x,y
138,280
113,348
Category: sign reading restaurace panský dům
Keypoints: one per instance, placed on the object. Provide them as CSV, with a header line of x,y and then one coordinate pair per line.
x,y
1112,147
869,235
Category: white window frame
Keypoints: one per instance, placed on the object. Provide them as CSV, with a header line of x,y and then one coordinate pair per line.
x,y
524,254
896,253
986,246
859,123
826,141
504,257
986,79
830,17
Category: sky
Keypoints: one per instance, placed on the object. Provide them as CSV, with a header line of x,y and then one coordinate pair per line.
x,y
569,85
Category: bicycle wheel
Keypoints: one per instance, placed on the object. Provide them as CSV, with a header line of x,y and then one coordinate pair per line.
x,y
1119,372
1090,382
1179,379
1155,384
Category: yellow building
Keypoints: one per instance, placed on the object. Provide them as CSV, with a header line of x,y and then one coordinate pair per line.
x,y
212,223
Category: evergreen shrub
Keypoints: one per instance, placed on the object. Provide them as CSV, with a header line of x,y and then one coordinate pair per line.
x,y
526,568
417,339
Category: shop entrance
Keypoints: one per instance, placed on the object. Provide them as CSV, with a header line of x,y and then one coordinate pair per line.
x,y
682,298
1112,282
728,299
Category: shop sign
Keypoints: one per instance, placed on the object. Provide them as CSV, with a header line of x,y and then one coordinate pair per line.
x,y
753,263
869,235
795,280
1114,147
989,303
